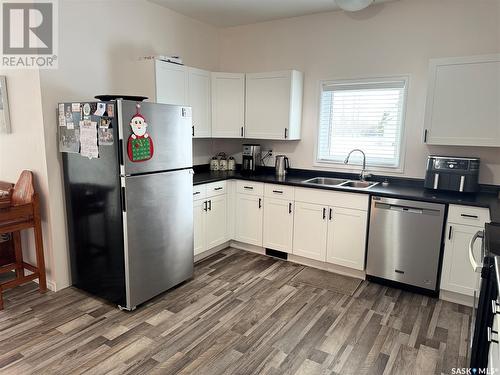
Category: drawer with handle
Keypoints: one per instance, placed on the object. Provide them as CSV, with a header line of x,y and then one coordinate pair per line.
x,y
216,188
199,192
475,216
279,191
249,187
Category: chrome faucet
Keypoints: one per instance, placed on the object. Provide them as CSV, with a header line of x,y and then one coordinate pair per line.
x,y
363,175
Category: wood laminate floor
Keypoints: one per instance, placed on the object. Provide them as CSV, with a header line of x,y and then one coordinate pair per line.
x,y
242,314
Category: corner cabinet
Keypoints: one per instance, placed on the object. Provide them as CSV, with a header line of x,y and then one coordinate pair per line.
x,y
463,101
274,105
228,105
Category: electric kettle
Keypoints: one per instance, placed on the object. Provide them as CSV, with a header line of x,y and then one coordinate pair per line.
x,y
281,165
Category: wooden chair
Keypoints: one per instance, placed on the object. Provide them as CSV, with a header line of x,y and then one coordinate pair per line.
x,y
22,212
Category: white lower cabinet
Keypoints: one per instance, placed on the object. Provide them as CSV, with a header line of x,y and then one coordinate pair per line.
x,y
199,226
327,231
310,231
457,274
249,219
278,224
216,228
209,220
319,225
346,237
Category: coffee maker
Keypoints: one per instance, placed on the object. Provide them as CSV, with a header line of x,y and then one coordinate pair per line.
x,y
251,158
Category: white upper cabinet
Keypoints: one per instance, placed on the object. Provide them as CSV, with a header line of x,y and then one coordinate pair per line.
x,y
199,100
463,101
228,105
171,83
274,105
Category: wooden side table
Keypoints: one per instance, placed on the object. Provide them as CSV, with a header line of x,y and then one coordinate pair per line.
x,y
19,210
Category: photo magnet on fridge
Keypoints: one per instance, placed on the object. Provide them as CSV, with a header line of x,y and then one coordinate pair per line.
x,y
140,145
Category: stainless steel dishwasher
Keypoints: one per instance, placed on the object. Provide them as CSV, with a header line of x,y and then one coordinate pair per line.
x,y
404,241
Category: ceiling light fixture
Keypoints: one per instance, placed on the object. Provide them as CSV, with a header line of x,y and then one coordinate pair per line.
x,y
353,5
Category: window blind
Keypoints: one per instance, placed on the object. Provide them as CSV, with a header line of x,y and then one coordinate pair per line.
x,y
363,114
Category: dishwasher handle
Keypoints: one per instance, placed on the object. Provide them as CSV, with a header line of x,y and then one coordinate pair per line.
x,y
399,208
475,265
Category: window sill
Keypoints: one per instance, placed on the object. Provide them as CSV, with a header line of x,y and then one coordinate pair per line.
x,y
356,168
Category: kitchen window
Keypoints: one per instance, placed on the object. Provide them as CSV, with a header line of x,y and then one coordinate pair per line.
x,y
367,114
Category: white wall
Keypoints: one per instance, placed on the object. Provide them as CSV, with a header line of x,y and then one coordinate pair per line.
x,y
24,149
96,39
396,38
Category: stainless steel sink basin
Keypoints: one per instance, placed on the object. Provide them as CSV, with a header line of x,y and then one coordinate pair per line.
x,y
327,181
359,184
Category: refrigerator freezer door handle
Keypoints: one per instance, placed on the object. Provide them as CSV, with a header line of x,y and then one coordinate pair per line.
x,y
120,151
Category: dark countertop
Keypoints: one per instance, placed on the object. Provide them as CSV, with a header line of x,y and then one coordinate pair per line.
x,y
397,188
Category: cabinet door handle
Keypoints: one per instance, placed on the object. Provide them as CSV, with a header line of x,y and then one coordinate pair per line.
x,y
289,208
210,205
469,216
277,191
449,232
242,131
324,213
205,206
248,187
260,202
286,131
331,214
425,135
193,130
218,188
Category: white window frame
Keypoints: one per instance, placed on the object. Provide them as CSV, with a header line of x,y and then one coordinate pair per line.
x,y
332,164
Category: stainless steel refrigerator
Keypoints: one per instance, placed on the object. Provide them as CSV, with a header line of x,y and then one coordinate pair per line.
x,y
129,203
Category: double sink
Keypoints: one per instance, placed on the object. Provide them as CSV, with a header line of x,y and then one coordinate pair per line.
x,y
339,182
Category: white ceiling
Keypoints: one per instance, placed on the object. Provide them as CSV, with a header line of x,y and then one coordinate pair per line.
x,y
225,13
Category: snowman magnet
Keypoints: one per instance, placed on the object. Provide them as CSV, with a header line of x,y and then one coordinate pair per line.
x,y
140,145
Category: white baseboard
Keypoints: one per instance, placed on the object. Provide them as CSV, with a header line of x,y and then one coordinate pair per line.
x,y
211,251
304,261
454,297
51,285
